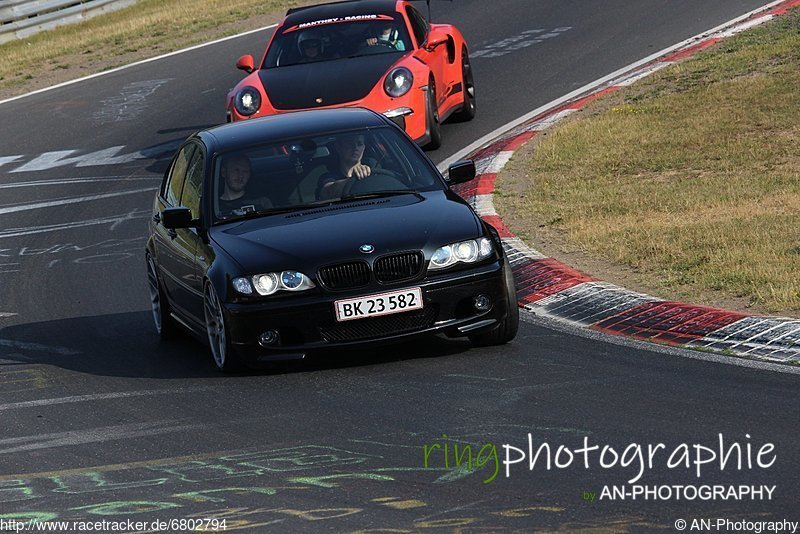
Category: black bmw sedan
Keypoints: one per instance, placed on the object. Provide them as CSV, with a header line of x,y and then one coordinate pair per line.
x,y
304,231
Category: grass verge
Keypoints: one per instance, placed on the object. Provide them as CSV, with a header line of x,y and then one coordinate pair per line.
x,y
145,29
690,178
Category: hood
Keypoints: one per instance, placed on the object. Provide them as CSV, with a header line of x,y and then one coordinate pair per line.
x,y
335,81
308,240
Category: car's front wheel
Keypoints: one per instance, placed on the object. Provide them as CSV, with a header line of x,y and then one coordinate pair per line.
x,y
218,339
507,329
165,325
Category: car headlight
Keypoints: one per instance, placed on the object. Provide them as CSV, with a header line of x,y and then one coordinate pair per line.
x,y
247,101
269,283
398,82
461,252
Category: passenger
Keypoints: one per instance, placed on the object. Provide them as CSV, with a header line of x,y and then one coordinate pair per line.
x,y
310,46
236,171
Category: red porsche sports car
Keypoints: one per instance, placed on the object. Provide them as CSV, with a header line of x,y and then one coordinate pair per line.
x,y
378,54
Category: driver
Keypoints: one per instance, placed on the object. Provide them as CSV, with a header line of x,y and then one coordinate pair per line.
x,y
349,151
387,36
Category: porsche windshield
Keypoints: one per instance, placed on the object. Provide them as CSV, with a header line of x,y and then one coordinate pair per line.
x,y
318,170
336,38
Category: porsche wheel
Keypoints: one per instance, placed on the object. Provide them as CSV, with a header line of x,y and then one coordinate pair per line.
x,y
218,339
507,329
467,112
165,325
434,126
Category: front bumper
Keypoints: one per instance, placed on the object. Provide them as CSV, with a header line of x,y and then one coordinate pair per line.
x,y
308,323
407,111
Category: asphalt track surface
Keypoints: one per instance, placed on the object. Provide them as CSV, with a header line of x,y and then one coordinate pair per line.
x,y
101,421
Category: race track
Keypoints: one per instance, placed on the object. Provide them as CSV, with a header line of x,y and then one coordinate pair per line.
x,y
101,421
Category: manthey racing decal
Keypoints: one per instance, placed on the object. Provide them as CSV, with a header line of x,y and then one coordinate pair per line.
x,y
336,20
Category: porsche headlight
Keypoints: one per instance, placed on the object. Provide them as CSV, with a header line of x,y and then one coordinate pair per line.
x,y
247,101
398,82
269,283
462,252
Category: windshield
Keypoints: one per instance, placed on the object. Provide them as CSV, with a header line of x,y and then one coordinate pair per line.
x,y
318,170
336,38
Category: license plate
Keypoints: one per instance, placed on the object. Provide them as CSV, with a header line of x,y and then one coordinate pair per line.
x,y
375,305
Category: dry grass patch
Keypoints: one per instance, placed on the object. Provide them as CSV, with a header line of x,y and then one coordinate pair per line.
x,y
691,177
146,29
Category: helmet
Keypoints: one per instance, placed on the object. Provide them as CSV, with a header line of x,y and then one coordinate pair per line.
x,y
308,37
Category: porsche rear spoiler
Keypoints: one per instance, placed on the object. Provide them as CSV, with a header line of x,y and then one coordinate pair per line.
x,y
296,9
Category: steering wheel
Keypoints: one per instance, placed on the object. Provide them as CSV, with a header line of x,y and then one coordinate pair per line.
x,y
386,44
379,180
377,47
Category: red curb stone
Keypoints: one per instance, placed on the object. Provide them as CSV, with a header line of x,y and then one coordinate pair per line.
x,y
691,50
581,103
669,322
498,224
537,279
518,140
784,8
486,183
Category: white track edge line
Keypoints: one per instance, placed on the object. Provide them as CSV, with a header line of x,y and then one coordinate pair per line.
x,y
137,63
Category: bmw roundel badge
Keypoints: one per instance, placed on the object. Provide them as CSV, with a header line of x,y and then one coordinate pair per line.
x,y
366,248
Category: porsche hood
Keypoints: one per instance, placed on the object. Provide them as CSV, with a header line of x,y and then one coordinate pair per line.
x,y
310,239
325,83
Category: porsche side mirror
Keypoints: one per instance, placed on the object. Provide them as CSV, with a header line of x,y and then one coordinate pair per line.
x,y
434,42
461,171
246,63
173,218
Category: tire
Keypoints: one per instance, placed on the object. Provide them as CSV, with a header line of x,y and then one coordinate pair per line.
x,y
219,341
507,329
467,112
164,323
432,116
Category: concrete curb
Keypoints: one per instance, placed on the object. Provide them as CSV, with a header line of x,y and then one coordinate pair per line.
x,y
550,288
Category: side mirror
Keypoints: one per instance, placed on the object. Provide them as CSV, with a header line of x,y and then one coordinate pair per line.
x,y
173,218
461,171
435,41
246,63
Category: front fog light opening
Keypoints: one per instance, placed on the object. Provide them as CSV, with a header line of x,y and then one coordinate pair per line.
x,y
269,338
482,303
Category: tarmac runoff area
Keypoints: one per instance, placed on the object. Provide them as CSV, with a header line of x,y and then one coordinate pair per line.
x,y
555,291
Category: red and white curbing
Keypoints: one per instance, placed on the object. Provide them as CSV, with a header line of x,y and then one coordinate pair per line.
x,y
550,288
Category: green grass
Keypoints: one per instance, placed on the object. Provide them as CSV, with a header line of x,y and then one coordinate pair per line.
x,y
690,177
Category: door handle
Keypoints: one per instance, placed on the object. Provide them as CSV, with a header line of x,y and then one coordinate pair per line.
x,y
156,217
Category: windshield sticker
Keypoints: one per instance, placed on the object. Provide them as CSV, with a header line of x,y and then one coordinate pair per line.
x,y
336,20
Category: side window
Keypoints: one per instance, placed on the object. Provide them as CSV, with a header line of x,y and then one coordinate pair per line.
x,y
177,175
418,24
193,189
